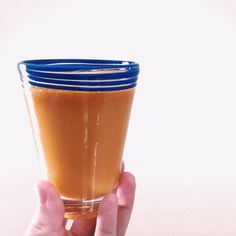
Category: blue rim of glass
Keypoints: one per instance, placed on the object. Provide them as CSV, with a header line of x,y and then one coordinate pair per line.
x,y
79,74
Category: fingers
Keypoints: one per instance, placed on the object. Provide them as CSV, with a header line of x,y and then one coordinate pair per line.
x,y
125,193
107,216
84,227
50,213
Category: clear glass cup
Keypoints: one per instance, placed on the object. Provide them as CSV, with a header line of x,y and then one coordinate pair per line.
x,y
79,111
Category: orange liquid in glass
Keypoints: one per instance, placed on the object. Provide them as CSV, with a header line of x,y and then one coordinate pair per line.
x,y
82,135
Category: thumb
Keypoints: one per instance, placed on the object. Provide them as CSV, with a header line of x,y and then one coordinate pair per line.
x,y
49,216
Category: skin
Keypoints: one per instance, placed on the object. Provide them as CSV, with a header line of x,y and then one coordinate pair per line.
x,y
112,220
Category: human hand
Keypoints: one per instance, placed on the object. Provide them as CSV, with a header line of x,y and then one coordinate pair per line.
x,y
112,220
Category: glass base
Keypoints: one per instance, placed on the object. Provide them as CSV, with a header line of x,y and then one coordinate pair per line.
x,y
81,209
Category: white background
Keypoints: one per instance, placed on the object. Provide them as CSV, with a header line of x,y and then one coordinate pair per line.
x,y
181,144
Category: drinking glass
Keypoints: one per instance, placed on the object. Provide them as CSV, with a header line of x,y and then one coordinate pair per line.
x,y
79,111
